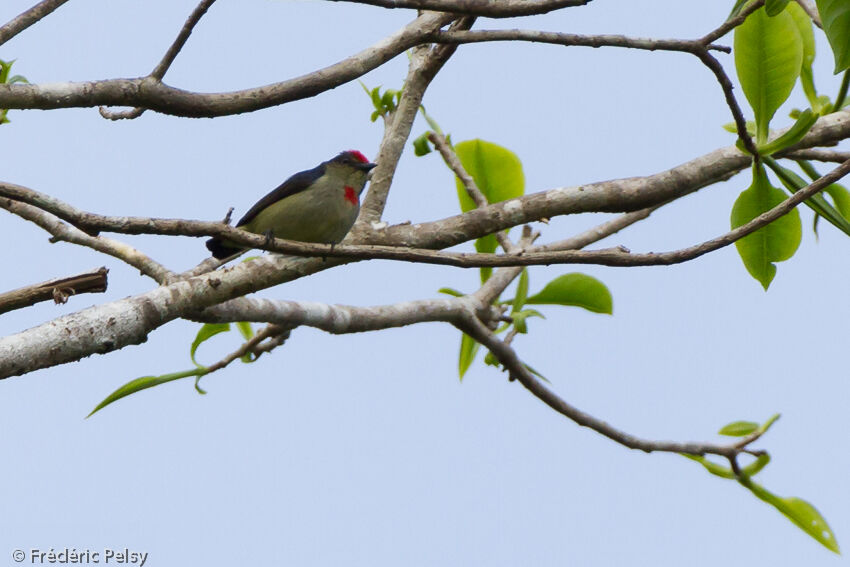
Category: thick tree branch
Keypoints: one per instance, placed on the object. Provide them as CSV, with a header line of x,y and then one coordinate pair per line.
x,y
24,20
59,290
486,8
154,95
425,63
622,195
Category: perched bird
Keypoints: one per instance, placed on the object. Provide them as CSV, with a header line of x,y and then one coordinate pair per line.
x,y
317,205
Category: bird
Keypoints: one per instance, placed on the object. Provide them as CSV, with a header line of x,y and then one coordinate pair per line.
x,y
317,205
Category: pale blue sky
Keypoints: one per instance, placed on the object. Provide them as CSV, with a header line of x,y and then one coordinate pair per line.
x,y
365,449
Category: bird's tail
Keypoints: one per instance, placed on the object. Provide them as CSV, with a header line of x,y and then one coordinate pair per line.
x,y
220,250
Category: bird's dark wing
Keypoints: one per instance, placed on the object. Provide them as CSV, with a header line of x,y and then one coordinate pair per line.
x,y
295,184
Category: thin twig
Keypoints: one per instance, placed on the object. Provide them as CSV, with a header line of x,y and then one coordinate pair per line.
x,y
73,235
24,20
159,71
508,358
570,39
276,333
490,9
731,23
817,154
726,84
59,290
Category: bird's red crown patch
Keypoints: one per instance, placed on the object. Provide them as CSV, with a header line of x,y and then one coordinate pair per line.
x,y
358,156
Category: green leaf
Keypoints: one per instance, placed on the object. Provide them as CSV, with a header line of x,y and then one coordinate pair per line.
x,y
421,146
497,172
768,59
521,291
450,291
486,245
835,15
804,26
144,383
841,198
801,127
579,290
767,424
775,242
738,428
207,331
736,9
756,466
491,360
468,349
817,203
773,7
713,468
431,122
536,373
245,329
733,128
519,318
803,514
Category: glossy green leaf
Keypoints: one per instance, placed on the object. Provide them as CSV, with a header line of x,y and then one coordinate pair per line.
x,y
756,466
725,472
817,203
144,383
803,514
773,7
835,15
775,242
767,424
519,318
536,373
468,349
421,145
521,291
207,331
801,127
579,290
768,59
486,245
496,170
738,428
841,198
713,468
736,8
450,291
804,26
245,329
731,127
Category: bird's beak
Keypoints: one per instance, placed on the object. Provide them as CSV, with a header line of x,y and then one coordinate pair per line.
x,y
366,166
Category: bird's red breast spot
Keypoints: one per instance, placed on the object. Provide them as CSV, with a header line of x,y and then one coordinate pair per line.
x,y
351,195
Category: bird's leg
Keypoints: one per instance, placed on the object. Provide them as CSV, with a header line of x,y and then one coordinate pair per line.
x,y
269,234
